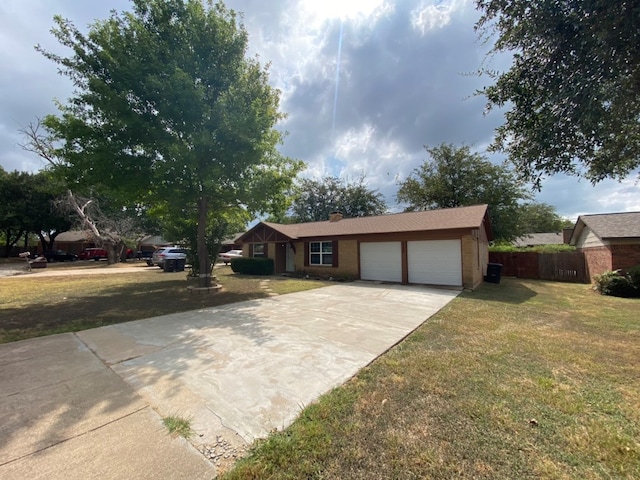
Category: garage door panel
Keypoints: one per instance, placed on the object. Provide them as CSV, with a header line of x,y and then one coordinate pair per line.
x,y
435,262
381,261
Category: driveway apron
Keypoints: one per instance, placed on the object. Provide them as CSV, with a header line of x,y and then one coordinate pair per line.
x,y
237,372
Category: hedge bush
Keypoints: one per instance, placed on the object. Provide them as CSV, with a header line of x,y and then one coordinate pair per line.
x,y
619,284
252,266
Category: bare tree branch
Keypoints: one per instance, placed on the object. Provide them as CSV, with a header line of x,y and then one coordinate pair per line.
x,y
38,142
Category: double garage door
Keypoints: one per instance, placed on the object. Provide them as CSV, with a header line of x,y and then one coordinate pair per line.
x,y
433,262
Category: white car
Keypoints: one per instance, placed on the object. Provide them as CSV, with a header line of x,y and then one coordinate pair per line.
x,y
167,253
226,257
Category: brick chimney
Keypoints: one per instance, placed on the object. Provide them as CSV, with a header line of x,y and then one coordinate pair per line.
x,y
335,216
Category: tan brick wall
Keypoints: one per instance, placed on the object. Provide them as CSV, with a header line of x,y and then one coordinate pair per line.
x,y
598,260
475,256
347,261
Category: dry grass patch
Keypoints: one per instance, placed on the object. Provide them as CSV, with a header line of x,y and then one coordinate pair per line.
x,y
525,379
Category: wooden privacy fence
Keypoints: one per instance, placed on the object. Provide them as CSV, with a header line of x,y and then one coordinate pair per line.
x,y
559,267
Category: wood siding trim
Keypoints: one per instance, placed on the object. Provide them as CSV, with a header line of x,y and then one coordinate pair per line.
x,y
265,234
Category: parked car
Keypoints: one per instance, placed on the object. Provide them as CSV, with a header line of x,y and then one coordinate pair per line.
x,y
167,253
59,256
93,254
226,257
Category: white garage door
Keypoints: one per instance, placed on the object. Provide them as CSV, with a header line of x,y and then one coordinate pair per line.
x,y
381,261
435,262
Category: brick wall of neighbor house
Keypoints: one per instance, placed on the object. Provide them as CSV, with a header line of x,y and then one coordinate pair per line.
x,y
347,261
624,256
598,260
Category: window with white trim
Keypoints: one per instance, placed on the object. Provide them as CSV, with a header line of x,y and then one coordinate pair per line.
x,y
258,249
321,253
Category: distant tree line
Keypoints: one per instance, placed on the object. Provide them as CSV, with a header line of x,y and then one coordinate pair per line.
x,y
28,207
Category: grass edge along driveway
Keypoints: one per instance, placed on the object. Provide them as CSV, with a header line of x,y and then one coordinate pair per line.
x,y
525,379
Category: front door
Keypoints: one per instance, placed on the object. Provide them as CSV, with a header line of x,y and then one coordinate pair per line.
x,y
291,258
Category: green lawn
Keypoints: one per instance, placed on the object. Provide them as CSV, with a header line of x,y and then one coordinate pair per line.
x,y
33,305
525,379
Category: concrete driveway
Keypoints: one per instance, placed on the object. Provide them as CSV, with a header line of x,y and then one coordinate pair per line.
x,y
90,404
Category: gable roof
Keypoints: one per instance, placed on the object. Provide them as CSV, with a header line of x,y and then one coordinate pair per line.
x,y
533,239
431,220
608,225
74,236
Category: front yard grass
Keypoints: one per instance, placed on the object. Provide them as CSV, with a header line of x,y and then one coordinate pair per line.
x,y
526,379
32,306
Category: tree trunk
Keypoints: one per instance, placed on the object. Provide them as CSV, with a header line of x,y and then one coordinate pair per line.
x,y
204,279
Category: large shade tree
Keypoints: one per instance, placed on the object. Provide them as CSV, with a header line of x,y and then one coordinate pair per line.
x,y
572,94
541,218
314,199
167,107
456,177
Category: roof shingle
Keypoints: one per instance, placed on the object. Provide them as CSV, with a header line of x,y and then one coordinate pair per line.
x,y
430,220
614,225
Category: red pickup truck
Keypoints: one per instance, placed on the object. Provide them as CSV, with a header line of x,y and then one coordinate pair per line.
x,y
93,254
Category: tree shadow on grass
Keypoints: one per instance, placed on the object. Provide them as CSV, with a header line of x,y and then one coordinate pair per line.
x,y
512,291
116,305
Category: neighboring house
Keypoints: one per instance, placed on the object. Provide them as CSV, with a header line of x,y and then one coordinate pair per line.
x,y
73,241
149,243
437,247
609,241
538,239
231,243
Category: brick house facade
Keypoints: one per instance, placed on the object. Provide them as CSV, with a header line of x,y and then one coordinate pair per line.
x,y
441,247
608,241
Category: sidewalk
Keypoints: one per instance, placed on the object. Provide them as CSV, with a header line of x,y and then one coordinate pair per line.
x,y
66,415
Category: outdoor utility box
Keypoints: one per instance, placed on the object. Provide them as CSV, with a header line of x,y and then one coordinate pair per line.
x,y
493,272
180,263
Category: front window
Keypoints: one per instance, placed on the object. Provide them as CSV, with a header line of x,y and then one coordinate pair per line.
x,y
258,249
321,253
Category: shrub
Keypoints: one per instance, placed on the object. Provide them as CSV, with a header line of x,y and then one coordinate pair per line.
x,y
634,276
617,284
509,248
252,266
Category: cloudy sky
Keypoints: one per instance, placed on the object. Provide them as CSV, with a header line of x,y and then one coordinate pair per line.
x,y
365,83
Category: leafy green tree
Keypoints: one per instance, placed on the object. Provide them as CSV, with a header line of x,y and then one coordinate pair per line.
x,y
178,226
456,177
572,93
314,200
27,205
167,107
541,218
12,190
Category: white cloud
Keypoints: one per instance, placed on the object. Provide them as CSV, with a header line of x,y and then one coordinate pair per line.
x,y
432,15
400,85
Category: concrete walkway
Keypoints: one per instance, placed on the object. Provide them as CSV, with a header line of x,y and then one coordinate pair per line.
x,y
90,404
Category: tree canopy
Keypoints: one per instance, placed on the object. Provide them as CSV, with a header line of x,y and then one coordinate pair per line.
x,y
27,205
541,218
168,107
572,93
315,199
456,177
